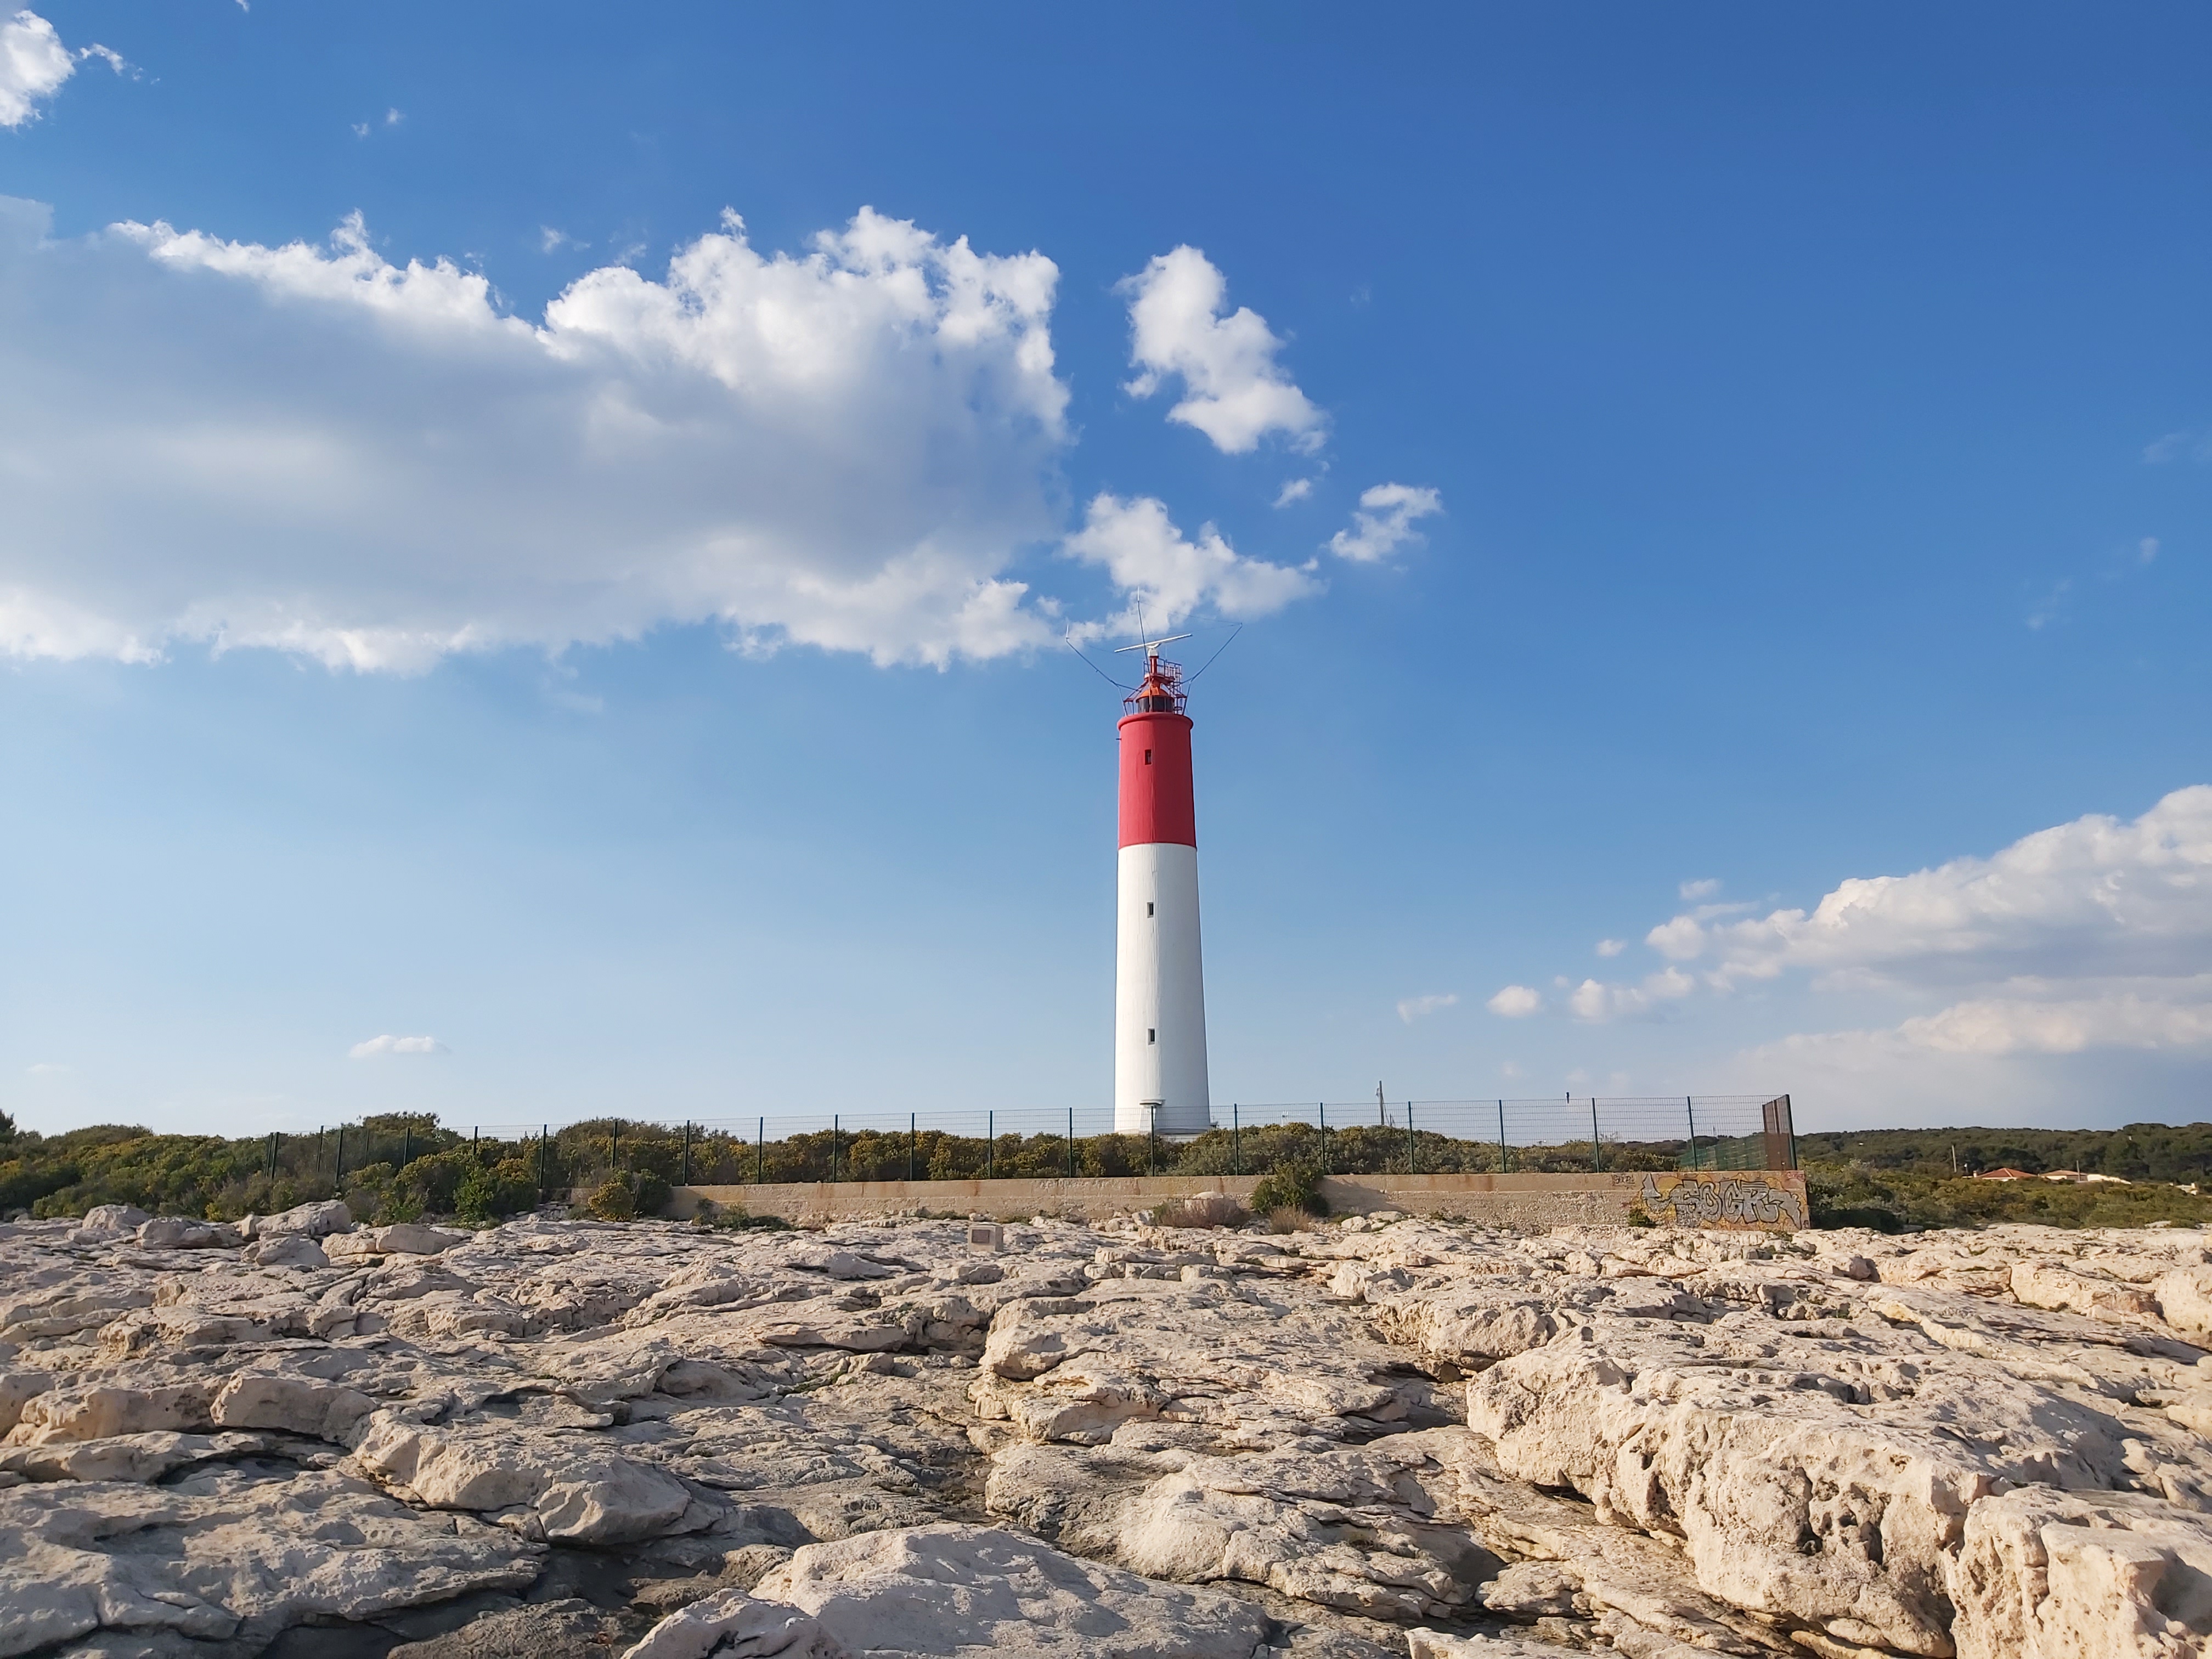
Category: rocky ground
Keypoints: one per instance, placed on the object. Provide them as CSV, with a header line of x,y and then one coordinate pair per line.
x,y
560,1439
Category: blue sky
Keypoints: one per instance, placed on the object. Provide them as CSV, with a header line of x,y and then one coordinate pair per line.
x,y
625,655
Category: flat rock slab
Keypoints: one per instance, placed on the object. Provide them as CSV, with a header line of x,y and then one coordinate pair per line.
x,y
969,1591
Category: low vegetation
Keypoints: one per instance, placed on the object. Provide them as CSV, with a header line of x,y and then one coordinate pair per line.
x,y
407,1166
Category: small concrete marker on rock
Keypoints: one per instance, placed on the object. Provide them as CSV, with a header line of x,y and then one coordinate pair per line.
x,y
986,1235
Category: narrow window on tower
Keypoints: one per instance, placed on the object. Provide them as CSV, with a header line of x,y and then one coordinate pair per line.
x,y
1148,757
1152,1034
1148,906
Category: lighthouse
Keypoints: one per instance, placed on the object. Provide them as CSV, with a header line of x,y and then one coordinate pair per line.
x,y
1159,989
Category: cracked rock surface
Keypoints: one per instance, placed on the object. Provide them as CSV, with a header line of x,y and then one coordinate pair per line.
x,y
553,1439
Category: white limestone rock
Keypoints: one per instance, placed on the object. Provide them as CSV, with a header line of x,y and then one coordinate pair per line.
x,y
101,1412
139,1457
400,1238
318,1219
2184,1299
2050,1575
566,1493
973,1591
171,1232
733,1623
224,1557
297,1405
1675,1443
103,1221
1436,1645
287,1250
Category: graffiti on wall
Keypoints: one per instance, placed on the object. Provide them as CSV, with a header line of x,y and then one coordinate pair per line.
x,y
1748,1199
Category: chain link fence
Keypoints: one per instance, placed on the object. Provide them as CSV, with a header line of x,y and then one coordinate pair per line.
x,y
1559,1135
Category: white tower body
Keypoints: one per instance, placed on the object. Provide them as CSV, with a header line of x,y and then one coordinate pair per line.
x,y
1160,994
1159,986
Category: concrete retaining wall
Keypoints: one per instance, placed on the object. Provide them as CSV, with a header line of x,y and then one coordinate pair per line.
x,y
1763,1199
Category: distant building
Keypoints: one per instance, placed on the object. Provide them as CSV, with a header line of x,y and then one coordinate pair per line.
x,y
2079,1179
2004,1174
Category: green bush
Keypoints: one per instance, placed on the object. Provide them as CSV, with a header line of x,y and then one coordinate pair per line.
x,y
485,1195
613,1201
1294,1187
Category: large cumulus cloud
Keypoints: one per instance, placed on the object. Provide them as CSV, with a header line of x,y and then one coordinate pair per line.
x,y
313,448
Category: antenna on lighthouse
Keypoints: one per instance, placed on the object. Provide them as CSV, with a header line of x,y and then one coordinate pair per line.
x,y
1151,647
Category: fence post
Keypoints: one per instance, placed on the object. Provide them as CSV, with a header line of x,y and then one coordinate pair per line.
x,y
912,1145
1382,1117
1412,1165
337,1161
760,1153
686,1165
1322,1107
990,1143
406,1147
833,1148
1070,1143
1236,1140
1501,1137
1597,1151
1690,1107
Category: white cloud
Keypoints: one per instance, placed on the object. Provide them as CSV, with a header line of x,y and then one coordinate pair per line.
x,y
1611,947
2093,898
48,1068
551,240
2176,1015
1414,1007
2091,935
378,1046
2147,549
33,64
2177,445
360,129
313,449
1594,1001
1296,490
1385,522
1694,891
1234,391
392,118
1515,1002
1171,576
2050,606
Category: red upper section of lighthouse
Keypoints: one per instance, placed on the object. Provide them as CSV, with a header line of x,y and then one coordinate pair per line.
x,y
1157,802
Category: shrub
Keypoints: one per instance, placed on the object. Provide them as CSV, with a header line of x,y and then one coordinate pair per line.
x,y
1294,1186
1204,1210
612,1202
472,1198
648,1193
507,1187
401,1203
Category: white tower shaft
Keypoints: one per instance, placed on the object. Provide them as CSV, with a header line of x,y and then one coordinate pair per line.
x,y
1160,994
